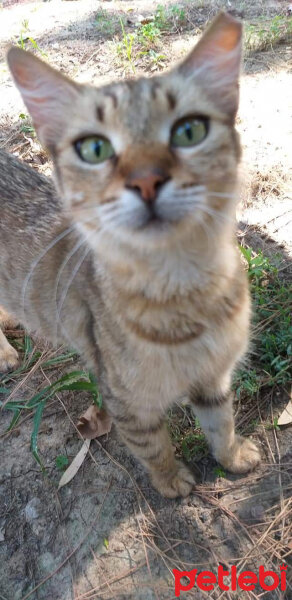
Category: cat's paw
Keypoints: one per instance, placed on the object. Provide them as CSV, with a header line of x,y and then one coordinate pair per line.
x,y
179,482
8,358
243,457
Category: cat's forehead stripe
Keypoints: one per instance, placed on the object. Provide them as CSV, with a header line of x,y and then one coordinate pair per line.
x,y
113,97
100,113
154,89
170,98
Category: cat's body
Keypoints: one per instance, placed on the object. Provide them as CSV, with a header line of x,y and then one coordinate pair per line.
x,y
159,309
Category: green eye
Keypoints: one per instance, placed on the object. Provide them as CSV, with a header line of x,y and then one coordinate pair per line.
x,y
189,131
94,150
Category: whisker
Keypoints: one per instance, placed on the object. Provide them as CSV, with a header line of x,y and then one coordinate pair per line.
x,y
211,211
221,195
69,283
70,254
42,254
38,259
216,214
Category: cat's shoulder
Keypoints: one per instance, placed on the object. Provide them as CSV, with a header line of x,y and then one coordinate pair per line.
x,y
25,191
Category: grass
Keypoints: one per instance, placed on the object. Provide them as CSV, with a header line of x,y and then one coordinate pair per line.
x,y
107,23
265,34
35,405
125,47
187,437
26,41
272,327
145,41
170,18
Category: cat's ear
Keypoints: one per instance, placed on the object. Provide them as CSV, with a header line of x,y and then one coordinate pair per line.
x,y
47,94
215,61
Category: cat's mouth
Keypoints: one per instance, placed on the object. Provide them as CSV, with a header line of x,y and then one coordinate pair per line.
x,y
154,221
173,208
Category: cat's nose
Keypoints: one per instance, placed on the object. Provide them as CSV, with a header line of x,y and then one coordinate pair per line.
x,y
147,183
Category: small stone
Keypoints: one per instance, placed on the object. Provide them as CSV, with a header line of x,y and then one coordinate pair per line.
x,y
32,509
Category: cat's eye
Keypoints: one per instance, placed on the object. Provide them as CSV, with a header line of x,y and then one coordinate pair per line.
x,y
94,150
189,131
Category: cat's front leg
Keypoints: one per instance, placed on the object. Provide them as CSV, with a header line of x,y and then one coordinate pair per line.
x,y
215,412
8,355
150,442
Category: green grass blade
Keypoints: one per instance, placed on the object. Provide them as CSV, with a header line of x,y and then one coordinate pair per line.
x,y
14,419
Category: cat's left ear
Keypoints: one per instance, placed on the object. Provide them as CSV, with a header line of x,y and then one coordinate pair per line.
x,y
215,62
48,94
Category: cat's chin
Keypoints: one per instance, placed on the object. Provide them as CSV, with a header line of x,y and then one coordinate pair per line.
x,y
156,234
156,224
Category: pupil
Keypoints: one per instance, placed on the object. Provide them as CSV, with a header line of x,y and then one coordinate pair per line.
x,y
189,132
97,148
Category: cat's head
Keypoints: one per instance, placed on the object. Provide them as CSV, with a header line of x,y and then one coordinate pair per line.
x,y
143,161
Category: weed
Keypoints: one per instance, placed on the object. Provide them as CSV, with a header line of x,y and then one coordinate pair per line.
x,y
106,23
193,445
168,18
178,13
251,426
125,47
148,34
24,38
267,34
272,327
219,472
61,462
156,58
26,126
273,425
76,381
106,543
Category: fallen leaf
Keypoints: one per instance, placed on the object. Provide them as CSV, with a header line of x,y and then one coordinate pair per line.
x,y
75,465
286,416
146,20
94,423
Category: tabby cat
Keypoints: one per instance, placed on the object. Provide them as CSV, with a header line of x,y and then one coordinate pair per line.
x,y
133,260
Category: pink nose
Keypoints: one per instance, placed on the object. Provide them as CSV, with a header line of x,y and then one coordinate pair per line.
x,y
147,183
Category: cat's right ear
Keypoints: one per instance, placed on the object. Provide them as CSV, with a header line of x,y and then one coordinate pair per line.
x,y
47,94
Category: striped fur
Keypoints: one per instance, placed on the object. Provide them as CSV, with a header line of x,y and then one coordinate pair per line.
x,y
158,308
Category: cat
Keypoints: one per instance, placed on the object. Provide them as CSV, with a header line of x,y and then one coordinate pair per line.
x,y
131,259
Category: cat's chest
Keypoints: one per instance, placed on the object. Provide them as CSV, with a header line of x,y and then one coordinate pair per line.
x,y
157,373
153,350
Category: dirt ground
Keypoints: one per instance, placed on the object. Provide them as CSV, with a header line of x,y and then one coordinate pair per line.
x,y
108,534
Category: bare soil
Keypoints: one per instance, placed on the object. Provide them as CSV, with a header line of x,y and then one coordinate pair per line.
x,y
108,534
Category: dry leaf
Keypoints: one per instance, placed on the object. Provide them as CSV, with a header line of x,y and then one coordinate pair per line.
x,y
75,465
286,416
94,423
